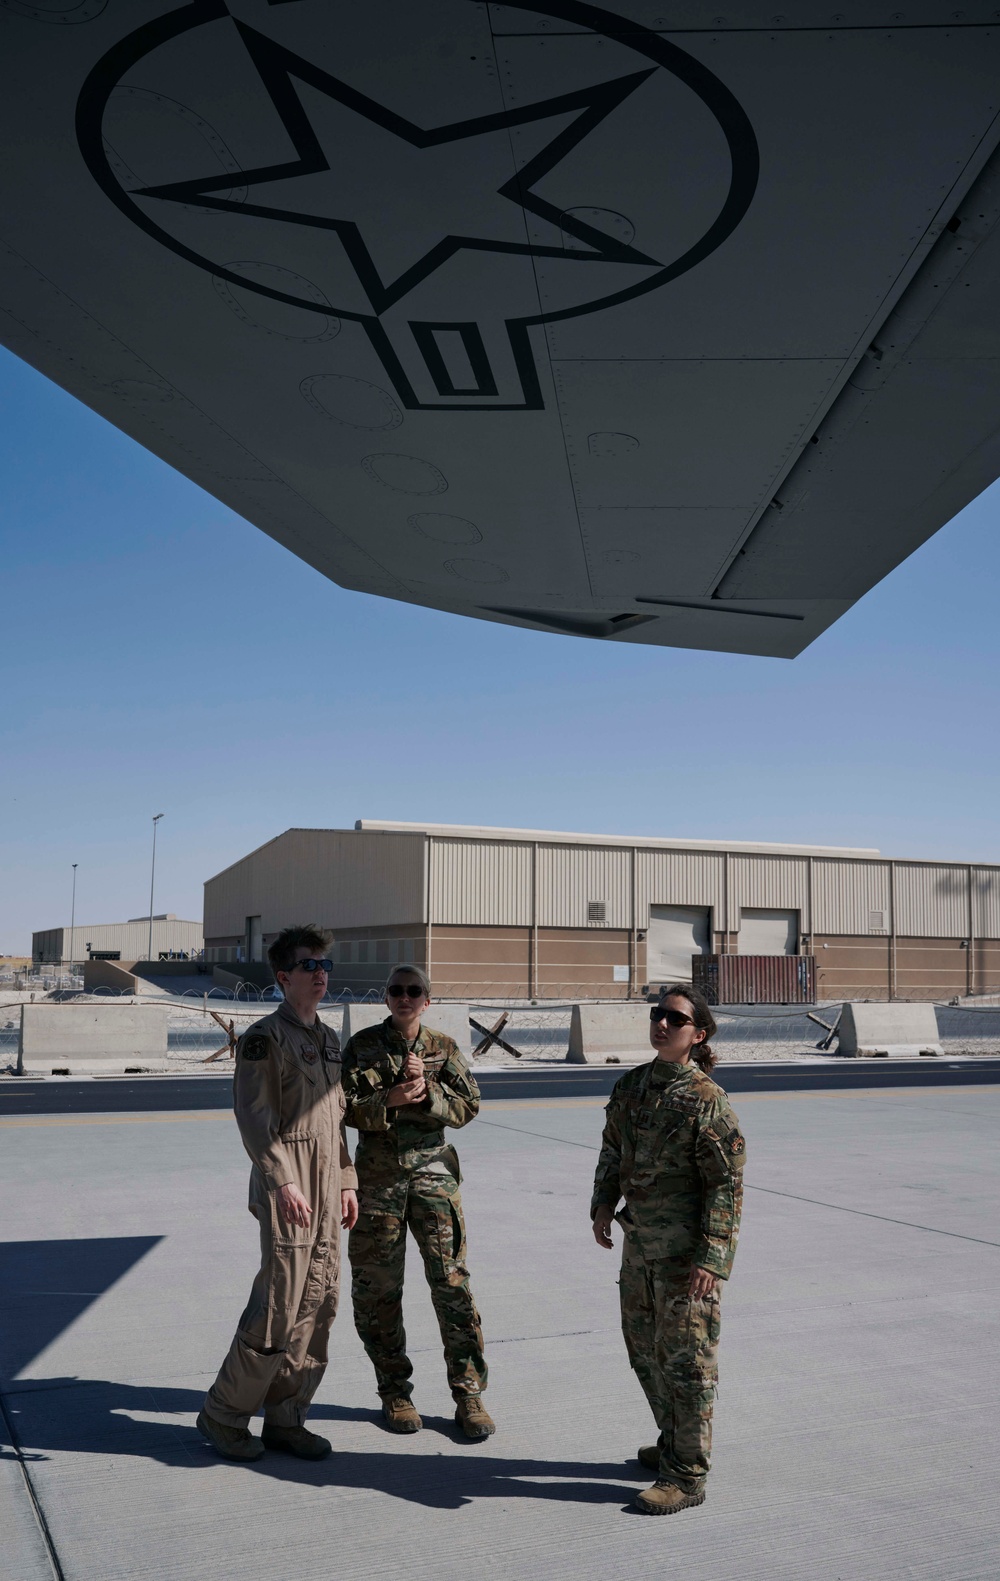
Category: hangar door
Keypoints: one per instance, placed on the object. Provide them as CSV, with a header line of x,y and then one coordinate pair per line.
x,y
675,934
768,932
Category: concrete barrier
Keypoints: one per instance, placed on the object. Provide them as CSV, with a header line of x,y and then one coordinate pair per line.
x,y
87,1038
109,974
872,1030
445,1016
597,1031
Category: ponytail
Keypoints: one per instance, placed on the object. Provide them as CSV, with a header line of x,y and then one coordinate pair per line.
x,y
703,1019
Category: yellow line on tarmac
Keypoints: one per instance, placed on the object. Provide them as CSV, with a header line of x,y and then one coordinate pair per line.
x,y
494,1105
112,1119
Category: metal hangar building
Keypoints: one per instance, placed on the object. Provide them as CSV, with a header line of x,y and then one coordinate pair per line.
x,y
534,914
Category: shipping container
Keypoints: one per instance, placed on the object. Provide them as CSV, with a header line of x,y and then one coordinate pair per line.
x,y
755,979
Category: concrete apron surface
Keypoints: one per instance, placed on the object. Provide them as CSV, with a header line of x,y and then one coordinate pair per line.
x,y
856,1427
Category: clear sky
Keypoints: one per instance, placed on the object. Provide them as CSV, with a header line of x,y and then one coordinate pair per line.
x,y
162,655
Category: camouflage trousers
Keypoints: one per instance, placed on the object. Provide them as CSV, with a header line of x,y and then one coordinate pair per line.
x,y
673,1346
377,1251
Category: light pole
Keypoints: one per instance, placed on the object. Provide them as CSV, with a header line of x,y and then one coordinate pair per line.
x,y
72,918
152,878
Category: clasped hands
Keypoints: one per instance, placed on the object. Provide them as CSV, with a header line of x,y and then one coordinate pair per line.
x,y
411,1087
700,1284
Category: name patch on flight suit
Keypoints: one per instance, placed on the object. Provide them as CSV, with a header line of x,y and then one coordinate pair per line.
x,y
255,1046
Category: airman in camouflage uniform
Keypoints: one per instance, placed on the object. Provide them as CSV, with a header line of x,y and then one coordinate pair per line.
x,y
673,1149
404,1083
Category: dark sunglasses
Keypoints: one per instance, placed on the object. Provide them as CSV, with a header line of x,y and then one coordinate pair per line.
x,y
673,1018
314,966
396,991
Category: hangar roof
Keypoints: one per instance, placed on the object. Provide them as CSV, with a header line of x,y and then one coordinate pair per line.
x,y
659,842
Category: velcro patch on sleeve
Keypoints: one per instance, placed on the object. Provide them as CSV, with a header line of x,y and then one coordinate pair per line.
x,y
255,1046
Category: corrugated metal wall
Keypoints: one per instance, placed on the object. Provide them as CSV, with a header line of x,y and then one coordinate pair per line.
x,y
481,883
338,878
679,878
932,901
847,894
131,939
768,881
569,878
352,878
986,902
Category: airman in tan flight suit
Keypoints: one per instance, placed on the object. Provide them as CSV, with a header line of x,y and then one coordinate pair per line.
x,y
289,1107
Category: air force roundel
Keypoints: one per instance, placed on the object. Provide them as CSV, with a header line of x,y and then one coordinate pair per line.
x,y
335,159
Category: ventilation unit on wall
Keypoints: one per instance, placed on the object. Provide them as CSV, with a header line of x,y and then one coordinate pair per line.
x,y
597,911
876,922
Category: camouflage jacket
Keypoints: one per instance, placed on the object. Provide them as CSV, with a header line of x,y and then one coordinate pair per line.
x,y
395,1142
672,1147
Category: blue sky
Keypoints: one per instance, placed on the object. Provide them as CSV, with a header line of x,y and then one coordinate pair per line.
x,y
162,655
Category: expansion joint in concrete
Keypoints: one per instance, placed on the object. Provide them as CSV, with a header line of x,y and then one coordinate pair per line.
x,y
29,1488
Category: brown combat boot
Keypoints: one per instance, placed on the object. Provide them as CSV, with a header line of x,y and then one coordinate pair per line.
x,y
234,1443
649,1456
473,1417
663,1498
297,1441
401,1415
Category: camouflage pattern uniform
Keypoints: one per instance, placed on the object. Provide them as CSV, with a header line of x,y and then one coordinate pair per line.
x,y
409,1176
673,1149
289,1107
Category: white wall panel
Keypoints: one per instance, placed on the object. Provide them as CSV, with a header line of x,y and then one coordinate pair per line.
x,y
569,877
768,881
986,892
481,883
338,878
932,900
678,878
849,897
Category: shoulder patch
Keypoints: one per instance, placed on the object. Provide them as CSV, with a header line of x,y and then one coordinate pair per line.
x,y
254,1046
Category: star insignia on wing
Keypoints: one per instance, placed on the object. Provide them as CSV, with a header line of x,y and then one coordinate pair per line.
x,y
280,69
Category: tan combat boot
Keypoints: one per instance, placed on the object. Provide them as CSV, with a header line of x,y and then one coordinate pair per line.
x,y
649,1456
663,1498
297,1441
401,1414
235,1443
473,1417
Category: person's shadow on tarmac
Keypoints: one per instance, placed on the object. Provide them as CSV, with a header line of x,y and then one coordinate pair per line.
x,y
49,1284
72,1415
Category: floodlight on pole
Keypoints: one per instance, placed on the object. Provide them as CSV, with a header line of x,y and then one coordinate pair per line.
x,y
152,878
72,918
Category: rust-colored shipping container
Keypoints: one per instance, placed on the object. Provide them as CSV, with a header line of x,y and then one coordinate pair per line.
x,y
755,979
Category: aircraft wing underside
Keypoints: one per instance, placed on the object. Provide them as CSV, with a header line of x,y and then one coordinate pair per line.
x,y
630,323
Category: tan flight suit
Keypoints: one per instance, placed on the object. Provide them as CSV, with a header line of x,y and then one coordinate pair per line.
x,y
289,1107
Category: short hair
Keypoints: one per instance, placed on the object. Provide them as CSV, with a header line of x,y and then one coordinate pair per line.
x,y
281,951
414,971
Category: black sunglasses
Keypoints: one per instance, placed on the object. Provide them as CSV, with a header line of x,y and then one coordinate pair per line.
x,y
396,991
314,966
673,1018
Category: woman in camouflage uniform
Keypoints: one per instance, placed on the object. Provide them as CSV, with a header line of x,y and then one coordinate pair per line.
x,y
673,1149
403,1084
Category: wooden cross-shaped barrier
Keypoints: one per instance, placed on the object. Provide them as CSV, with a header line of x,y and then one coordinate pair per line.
x,y
491,1035
229,1047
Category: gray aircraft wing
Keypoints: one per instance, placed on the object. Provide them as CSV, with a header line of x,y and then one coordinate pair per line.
x,y
634,323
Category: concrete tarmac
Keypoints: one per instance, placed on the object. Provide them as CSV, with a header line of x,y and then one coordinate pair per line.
x,y
856,1430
